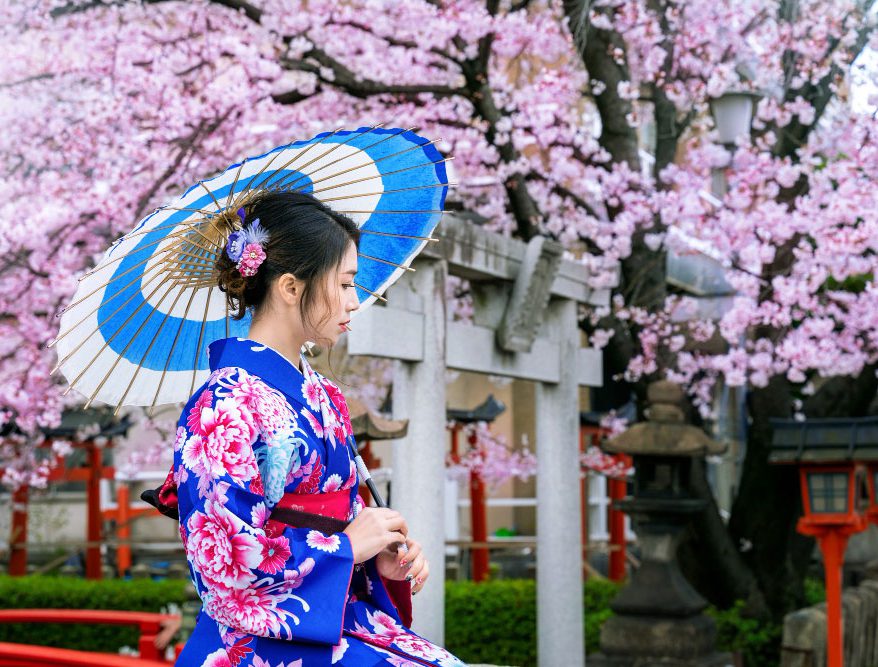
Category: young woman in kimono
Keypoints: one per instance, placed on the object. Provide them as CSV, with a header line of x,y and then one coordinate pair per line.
x,y
266,432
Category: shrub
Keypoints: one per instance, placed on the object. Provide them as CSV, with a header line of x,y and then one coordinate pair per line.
x,y
757,640
495,621
35,592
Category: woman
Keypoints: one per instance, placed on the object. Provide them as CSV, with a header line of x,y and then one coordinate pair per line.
x,y
267,434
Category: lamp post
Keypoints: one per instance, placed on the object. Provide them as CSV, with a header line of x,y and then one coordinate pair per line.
x,y
829,453
732,115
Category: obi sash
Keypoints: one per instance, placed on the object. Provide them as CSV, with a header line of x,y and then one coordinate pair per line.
x,y
325,512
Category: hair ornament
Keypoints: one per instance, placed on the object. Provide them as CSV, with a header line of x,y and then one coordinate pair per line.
x,y
246,247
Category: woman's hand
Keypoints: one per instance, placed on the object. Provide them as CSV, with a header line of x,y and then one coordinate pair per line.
x,y
411,566
375,529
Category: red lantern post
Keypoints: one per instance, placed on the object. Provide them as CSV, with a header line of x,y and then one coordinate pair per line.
x,y
829,499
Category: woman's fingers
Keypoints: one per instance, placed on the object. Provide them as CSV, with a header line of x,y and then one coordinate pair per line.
x,y
407,559
396,522
420,578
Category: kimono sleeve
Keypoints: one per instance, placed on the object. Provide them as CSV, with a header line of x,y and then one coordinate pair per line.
x,y
236,445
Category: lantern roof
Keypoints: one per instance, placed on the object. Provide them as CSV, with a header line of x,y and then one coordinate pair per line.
x,y
824,440
487,411
369,425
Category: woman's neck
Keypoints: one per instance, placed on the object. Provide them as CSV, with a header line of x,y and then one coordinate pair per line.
x,y
268,332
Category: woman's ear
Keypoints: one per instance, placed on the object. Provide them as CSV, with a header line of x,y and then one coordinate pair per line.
x,y
288,289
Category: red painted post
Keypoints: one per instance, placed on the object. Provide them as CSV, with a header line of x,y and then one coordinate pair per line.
x,y
123,528
832,545
94,518
478,521
18,533
832,541
479,526
616,519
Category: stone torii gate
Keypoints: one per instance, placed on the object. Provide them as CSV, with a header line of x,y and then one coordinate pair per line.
x,y
525,326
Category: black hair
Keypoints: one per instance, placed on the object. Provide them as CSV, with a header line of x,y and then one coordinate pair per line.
x,y
305,238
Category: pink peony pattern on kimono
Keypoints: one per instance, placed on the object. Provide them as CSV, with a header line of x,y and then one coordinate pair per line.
x,y
219,550
421,648
339,650
312,394
179,439
384,624
327,543
371,637
314,423
193,420
338,400
267,405
275,553
258,515
310,473
224,444
218,658
259,662
332,483
252,609
352,477
293,578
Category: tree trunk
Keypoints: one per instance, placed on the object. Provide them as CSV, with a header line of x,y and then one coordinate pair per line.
x,y
767,506
710,559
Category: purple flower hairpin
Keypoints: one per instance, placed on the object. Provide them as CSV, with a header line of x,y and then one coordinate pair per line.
x,y
246,247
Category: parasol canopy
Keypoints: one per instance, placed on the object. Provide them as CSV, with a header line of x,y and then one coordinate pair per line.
x,y
138,327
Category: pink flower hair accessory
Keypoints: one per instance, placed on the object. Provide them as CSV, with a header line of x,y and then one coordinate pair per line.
x,y
246,247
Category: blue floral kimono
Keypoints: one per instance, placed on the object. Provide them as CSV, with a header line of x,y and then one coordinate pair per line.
x,y
261,433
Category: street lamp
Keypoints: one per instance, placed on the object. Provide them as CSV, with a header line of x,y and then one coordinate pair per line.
x,y
732,114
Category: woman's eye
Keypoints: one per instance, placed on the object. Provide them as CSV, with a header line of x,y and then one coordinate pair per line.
x,y
346,285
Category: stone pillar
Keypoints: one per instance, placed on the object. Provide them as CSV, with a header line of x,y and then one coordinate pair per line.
x,y
418,483
559,557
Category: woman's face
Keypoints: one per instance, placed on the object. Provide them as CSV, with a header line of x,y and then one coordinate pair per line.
x,y
329,317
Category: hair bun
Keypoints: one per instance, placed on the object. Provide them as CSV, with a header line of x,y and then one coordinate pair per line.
x,y
229,279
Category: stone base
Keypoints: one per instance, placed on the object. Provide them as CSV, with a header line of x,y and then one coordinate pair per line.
x,y
647,641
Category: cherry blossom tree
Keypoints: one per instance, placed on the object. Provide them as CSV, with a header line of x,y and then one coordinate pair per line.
x,y
112,108
795,232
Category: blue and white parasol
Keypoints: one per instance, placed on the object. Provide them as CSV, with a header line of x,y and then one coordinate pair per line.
x,y
137,330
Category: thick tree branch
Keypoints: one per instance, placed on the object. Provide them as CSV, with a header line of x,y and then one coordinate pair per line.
x,y
599,49
795,134
347,80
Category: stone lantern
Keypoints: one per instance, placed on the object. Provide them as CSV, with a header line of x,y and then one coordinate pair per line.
x,y
658,616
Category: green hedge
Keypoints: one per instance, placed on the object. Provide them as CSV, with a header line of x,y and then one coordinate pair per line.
x,y
34,592
493,621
